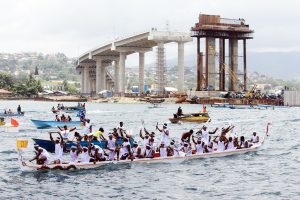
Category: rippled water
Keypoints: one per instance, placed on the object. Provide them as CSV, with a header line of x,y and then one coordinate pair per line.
x,y
271,173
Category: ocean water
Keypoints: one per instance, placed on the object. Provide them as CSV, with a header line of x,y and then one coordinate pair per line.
x,y
273,172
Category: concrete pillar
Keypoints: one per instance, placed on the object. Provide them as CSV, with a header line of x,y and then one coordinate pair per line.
x,y
222,64
199,67
141,71
180,84
117,77
82,80
210,62
103,78
98,75
245,64
160,70
233,63
85,78
122,72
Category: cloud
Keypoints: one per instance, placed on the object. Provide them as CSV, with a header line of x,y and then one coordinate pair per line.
x,y
73,26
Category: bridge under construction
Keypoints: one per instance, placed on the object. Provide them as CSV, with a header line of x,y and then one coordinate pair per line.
x,y
212,27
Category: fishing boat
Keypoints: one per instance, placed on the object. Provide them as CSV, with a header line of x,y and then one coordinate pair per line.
x,y
50,147
29,166
192,117
241,107
220,105
12,114
48,124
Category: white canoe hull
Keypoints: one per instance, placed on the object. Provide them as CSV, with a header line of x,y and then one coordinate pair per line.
x,y
28,166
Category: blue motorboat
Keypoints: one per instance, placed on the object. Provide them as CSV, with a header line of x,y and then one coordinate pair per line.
x,y
50,147
48,124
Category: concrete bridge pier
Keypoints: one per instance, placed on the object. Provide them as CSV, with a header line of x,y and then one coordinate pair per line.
x,y
122,78
141,71
180,83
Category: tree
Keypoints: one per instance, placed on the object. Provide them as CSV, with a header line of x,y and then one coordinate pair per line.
x,y
6,81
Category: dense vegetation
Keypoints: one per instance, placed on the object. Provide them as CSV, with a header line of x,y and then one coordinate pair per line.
x,y
29,87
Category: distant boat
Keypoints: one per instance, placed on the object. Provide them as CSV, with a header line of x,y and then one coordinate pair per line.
x,y
220,105
12,114
192,117
48,124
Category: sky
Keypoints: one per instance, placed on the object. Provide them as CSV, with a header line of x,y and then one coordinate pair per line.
x,y
74,27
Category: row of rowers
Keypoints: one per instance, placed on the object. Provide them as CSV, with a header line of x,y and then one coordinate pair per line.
x,y
202,142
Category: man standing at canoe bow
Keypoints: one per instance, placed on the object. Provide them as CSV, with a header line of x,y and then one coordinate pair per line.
x,y
165,138
65,132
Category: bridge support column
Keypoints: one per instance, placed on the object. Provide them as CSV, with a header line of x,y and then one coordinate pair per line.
x,y
85,78
88,82
233,63
82,81
122,72
98,75
180,83
103,78
141,71
117,77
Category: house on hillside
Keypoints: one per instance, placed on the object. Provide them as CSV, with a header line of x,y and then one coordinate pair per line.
x,y
5,93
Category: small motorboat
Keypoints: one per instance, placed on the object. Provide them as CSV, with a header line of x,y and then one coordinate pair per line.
x,y
48,124
12,114
192,117
220,105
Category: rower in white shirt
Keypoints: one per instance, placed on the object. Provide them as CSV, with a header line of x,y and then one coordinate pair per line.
x,y
111,146
230,144
255,138
85,156
162,150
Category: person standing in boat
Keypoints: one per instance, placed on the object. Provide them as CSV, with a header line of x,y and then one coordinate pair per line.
x,y
112,147
65,132
165,134
146,138
59,144
199,145
204,133
19,110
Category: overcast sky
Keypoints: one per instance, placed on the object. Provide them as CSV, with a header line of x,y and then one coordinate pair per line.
x,y
73,27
